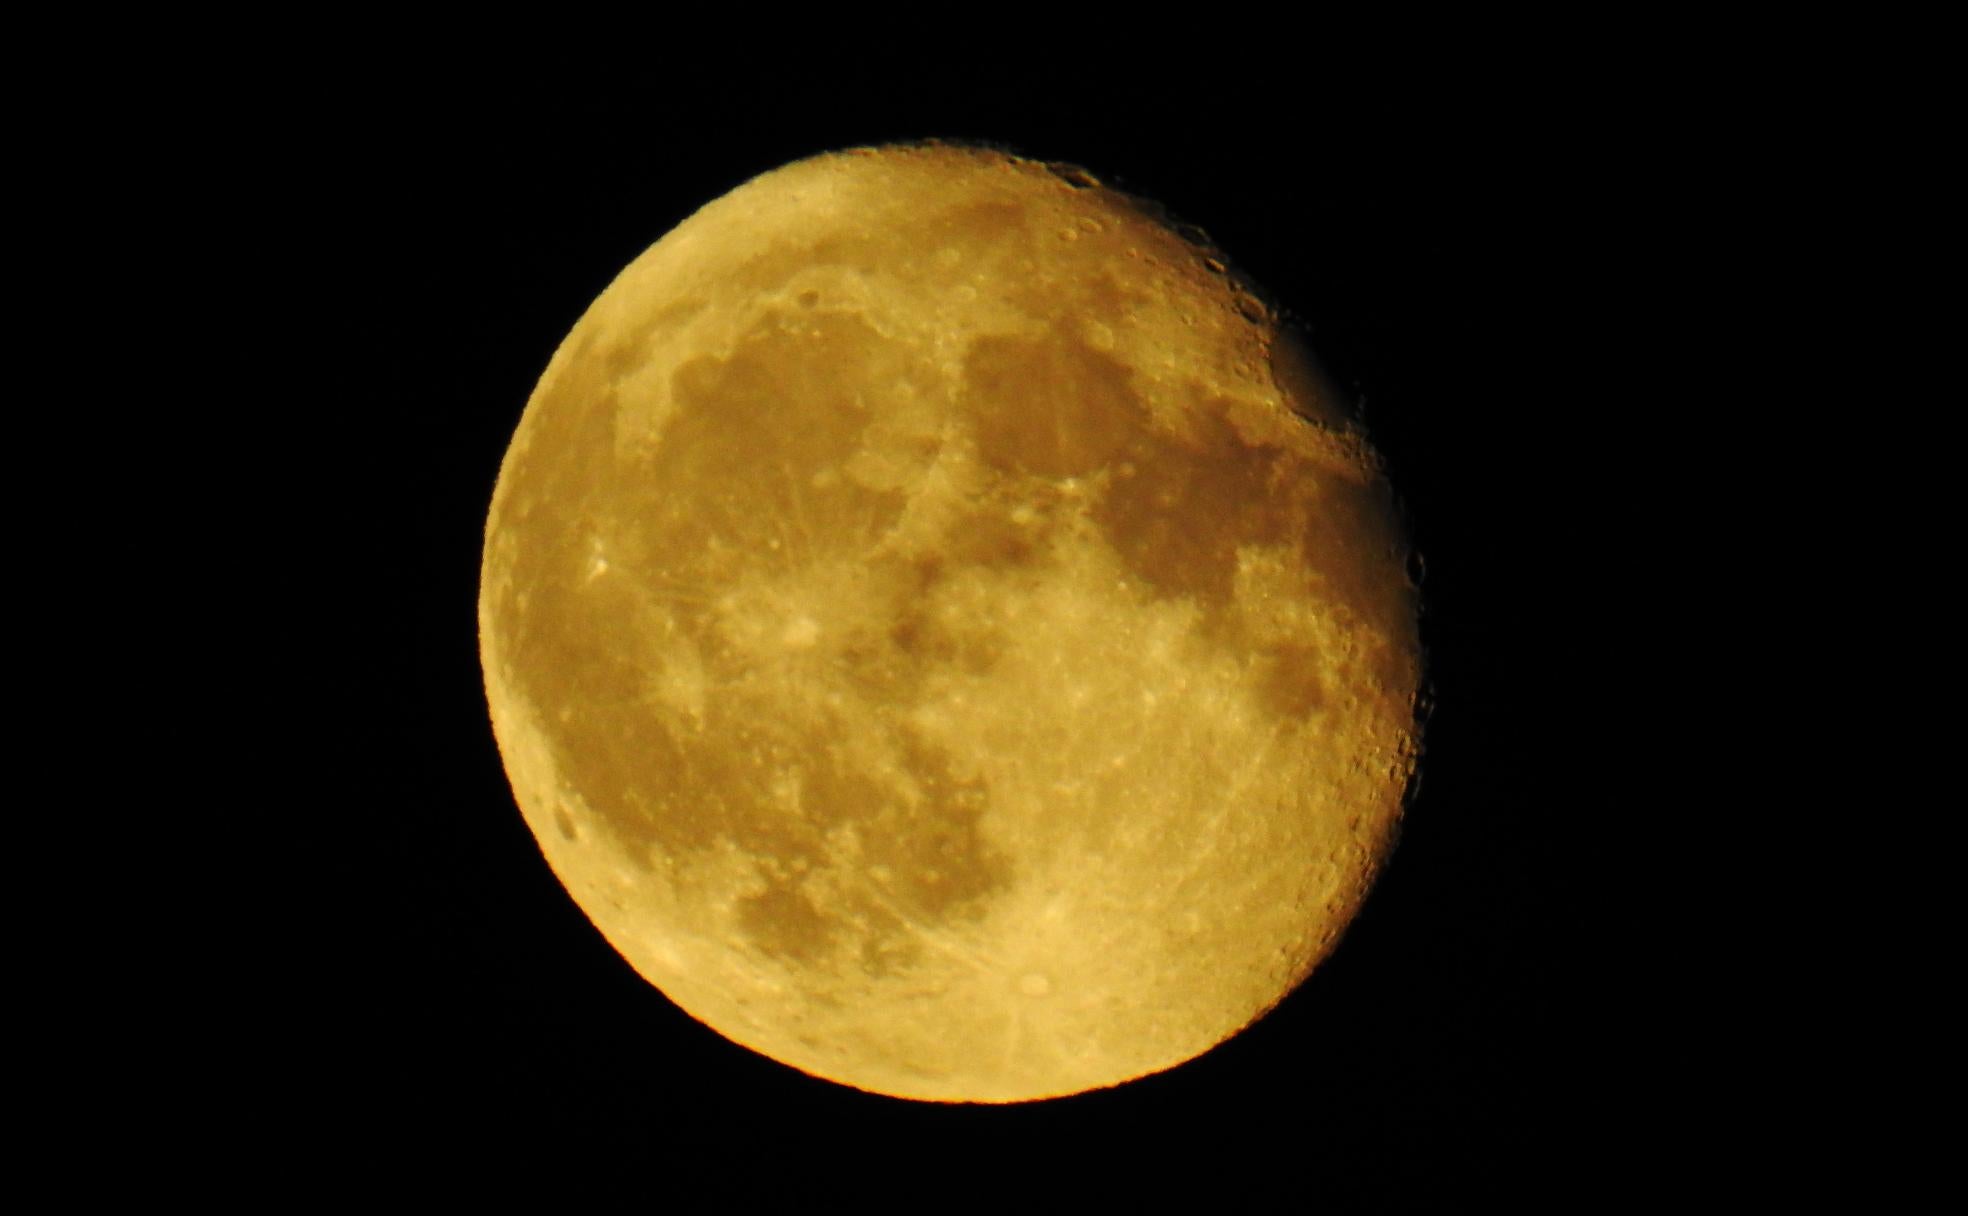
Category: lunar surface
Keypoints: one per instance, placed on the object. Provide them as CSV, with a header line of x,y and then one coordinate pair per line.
x,y
941,631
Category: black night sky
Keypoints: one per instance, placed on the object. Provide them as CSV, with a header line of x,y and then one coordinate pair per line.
x,y
1448,256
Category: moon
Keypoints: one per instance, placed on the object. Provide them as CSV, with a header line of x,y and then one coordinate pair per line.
x,y
945,635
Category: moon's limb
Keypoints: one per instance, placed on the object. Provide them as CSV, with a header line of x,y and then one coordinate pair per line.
x,y
940,637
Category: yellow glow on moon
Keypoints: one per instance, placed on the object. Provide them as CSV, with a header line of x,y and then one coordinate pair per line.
x,y
942,635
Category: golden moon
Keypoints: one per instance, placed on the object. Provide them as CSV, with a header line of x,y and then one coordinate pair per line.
x,y
942,633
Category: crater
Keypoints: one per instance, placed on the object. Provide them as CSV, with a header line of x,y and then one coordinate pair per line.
x,y
1072,175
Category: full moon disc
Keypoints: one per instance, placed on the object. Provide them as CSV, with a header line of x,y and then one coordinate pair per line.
x,y
943,634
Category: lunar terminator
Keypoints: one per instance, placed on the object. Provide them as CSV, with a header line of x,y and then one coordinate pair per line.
x,y
943,634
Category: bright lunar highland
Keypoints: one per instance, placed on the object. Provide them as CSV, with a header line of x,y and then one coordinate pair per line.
x,y
944,634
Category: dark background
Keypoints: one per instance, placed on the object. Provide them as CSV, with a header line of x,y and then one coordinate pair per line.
x,y
1456,257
